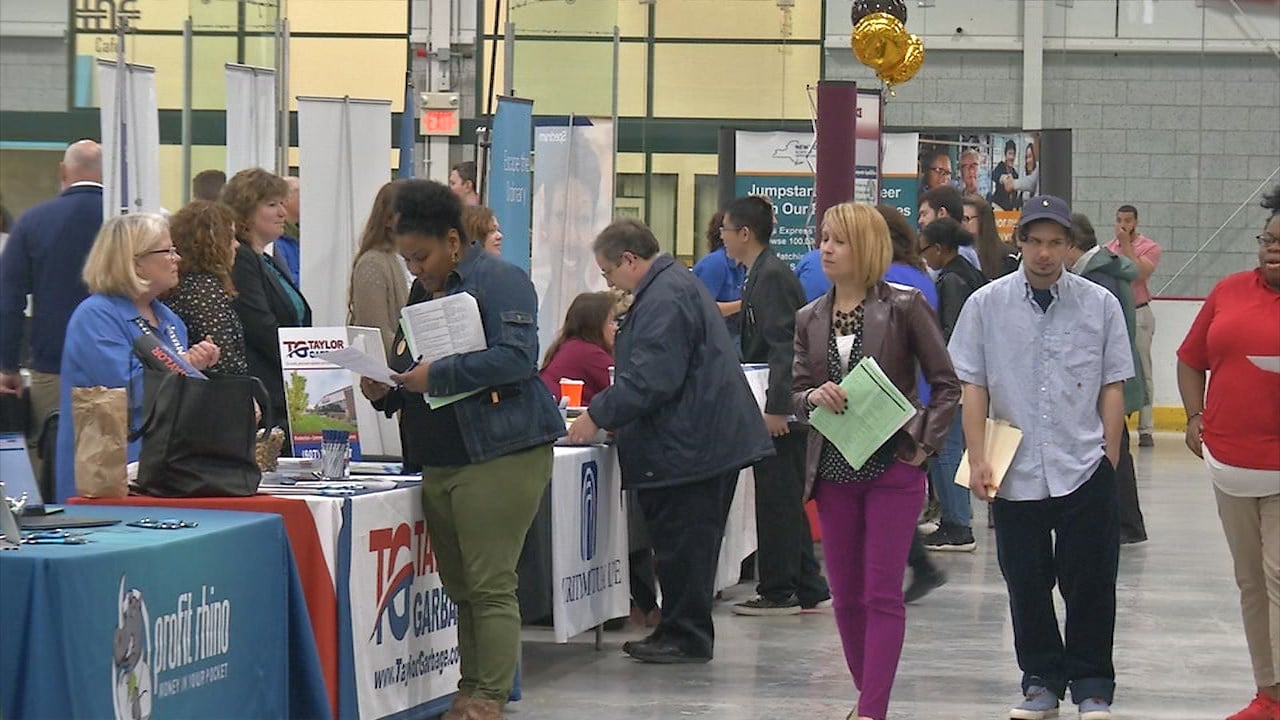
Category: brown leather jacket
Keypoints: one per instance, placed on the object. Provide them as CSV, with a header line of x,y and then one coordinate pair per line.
x,y
901,332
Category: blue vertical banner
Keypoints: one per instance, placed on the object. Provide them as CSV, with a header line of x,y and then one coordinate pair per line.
x,y
408,134
509,191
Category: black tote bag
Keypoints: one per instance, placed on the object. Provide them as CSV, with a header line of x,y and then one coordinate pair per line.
x,y
199,434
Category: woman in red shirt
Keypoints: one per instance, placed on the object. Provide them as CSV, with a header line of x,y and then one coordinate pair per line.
x,y
584,349
1236,429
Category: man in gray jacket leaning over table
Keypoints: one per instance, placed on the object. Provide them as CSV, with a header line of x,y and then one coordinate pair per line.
x,y
686,424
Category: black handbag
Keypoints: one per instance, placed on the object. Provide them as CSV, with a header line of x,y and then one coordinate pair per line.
x,y
199,434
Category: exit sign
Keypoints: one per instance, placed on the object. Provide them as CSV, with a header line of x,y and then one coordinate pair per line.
x,y
439,122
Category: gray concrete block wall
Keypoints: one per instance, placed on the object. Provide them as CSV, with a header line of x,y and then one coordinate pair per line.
x,y
33,73
1186,138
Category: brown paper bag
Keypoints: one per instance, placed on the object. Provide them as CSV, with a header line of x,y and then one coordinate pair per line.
x,y
101,422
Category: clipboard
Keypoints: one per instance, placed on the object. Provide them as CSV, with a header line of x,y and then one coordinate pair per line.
x,y
1002,443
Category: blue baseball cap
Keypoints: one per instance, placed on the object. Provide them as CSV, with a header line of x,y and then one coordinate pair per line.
x,y
1045,207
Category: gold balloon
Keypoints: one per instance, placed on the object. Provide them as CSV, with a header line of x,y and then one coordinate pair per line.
x,y
880,41
910,65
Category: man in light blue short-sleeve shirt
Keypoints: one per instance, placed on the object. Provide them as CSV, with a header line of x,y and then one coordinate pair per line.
x,y
1048,351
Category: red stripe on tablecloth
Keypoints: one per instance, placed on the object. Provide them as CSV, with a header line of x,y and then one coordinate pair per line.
x,y
317,583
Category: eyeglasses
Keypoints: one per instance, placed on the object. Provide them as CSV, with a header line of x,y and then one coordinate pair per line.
x,y
729,229
941,171
1266,239
970,218
171,251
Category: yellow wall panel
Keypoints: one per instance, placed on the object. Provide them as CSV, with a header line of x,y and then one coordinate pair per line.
x,y
734,81
164,53
738,19
563,77
591,17
335,67
347,16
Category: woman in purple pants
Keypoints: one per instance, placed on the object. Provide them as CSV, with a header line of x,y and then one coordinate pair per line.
x,y
868,514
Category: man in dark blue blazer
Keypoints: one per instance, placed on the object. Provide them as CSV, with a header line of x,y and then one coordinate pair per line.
x,y
44,258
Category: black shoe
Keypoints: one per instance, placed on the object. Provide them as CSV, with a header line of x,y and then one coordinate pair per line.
x,y
951,538
649,639
822,604
664,653
1146,440
923,583
1132,539
762,606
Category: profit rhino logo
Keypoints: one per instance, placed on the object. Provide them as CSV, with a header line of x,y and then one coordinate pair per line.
x,y
795,151
131,680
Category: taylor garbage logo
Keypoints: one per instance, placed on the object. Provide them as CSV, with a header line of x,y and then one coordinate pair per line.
x,y
404,554
131,678
590,508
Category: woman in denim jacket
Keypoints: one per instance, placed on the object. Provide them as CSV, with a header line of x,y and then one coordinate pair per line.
x,y
487,458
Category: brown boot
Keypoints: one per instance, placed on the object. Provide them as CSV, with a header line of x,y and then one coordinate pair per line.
x,y
458,710
478,709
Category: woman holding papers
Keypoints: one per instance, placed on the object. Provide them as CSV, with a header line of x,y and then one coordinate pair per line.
x,y
488,458
868,513
1235,427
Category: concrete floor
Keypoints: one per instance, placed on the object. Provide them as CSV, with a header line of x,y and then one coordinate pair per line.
x,y
1180,650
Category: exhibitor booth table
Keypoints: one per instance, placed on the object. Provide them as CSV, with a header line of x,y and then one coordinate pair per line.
x,y
158,622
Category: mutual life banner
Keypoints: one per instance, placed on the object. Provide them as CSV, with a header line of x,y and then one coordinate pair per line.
x,y
588,540
1002,168
402,638
572,202
251,117
866,177
779,166
899,180
130,126
508,189
322,396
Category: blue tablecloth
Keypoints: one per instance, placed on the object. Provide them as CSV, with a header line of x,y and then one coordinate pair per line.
x,y
205,622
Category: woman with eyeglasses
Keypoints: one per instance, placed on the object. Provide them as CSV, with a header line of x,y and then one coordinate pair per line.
x,y
204,236
132,263
1235,428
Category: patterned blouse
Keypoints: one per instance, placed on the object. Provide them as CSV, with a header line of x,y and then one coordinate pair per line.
x,y
832,467
205,308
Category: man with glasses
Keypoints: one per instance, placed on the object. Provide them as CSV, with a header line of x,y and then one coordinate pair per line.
x,y
936,170
1047,351
969,172
686,424
790,577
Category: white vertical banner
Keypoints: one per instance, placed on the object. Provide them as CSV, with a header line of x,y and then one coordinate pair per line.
x,y
344,151
130,139
591,579
251,117
572,202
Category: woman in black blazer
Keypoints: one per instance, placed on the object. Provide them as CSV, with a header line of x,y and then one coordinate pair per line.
x,y
268,298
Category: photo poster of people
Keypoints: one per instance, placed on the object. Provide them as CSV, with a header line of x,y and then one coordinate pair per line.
x,y
1002,168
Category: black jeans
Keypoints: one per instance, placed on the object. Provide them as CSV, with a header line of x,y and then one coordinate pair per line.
x,y
1074,541
686,523
1132,525
785,552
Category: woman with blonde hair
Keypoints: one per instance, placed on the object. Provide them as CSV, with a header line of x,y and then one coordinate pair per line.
x,y
481,227
132,263
997,257
868,513
379,285
204,234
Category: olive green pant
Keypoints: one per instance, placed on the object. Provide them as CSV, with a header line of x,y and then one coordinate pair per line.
x,y
477,516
